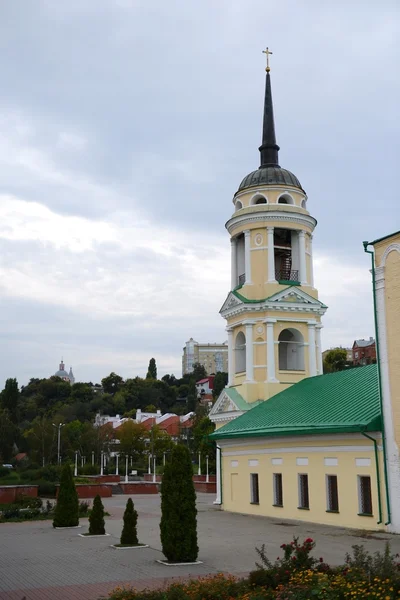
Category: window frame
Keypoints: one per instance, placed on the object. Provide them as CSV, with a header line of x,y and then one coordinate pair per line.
x,y
331,507
277,486
361,500
302,505
254,489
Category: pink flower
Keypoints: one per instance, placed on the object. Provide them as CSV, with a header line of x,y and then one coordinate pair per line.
x,y
321,559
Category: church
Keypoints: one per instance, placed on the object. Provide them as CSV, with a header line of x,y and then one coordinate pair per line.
x,y
293,443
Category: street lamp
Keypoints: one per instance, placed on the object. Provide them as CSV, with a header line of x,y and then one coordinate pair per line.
x,y
59,441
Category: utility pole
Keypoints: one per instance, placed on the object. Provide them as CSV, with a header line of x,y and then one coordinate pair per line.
x,y
59,441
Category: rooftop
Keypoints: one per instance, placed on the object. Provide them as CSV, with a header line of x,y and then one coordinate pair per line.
x,y
343,402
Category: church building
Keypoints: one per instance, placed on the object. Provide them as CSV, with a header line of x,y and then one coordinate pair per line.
x,y
291,442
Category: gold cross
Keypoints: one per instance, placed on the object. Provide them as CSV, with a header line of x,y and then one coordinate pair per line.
x,y
267,52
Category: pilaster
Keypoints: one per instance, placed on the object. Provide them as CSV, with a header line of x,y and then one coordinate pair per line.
x,y
231,357
271,255
312,358
302,258
247,257
234,274
249,351
271,351
320,368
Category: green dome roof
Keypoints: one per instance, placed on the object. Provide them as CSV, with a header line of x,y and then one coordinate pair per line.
x,y
273,175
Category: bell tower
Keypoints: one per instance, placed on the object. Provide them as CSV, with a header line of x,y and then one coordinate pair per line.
x,y
272,310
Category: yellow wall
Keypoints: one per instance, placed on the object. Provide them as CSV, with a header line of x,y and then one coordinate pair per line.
x,y
236,479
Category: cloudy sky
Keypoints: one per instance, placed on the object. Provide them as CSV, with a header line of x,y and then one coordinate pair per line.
x,y
126,126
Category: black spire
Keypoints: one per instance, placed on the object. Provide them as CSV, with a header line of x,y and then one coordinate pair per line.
x,y
269,148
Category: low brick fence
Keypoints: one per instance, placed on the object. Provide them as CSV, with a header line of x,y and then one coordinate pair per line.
x,y
139,487
207,488
103,478
11,493
149,477
90,490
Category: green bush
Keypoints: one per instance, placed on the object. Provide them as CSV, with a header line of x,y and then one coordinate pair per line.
x,y
66,513
89,470
50,473
178,524
83,508
4,471
46,489
29,475
129,531
96,519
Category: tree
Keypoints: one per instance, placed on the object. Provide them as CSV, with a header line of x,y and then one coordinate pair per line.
x,y
7,435
202,428
199,372
335,360
66,513
152,370
112,384
220,381
132,437
9,399
96,519
129,532
41,440
178,524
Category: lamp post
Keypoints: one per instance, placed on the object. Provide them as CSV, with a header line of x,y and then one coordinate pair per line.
x,y
126,468
76,464
92,457
154,469
164,453
199,469
82,461
101,462
149,469
59,441
207,478
116,464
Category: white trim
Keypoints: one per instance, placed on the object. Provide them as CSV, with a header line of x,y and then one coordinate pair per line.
x,y
302,462
331,462
388,250
258,196
297,450
252,462
276,461
363,462
258,248
270,256
264,188
234,275
225,417
293,203
263,216
302,439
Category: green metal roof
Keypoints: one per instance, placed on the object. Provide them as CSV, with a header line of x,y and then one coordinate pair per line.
x,y
238,399
236,293
385,237
343,402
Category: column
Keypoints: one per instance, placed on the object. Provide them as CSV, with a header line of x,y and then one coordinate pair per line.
x,y
302,258
218,499
231,357
271,351
312,359
249,351
320,368
234,275
311,263
271,255
247,256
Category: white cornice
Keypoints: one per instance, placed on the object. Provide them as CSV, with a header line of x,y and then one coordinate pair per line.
x,y
263,190
225,417
304,439
289,307
270,216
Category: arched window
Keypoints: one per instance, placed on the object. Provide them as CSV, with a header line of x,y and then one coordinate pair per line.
x,y
258,199
238,205
285,199
291,350
240,353
303,204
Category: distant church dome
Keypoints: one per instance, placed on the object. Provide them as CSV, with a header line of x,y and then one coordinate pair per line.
x,y
270,176
62,373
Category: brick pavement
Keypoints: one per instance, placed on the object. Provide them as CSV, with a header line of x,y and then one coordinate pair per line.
x,y
41,563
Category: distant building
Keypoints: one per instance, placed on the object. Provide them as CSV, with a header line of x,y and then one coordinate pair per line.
x,y
169,422
364,352
213,357
204,388
62,373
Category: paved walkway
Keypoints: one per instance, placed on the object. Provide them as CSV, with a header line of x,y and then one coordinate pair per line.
x,y
40,563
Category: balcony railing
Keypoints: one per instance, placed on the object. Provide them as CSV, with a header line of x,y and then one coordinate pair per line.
x,y
242,279
286,275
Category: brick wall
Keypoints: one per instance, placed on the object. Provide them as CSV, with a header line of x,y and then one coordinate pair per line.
x,y
10,493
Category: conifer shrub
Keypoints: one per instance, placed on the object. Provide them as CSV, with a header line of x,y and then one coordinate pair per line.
x,y
96,519
178,524
66,513
129,532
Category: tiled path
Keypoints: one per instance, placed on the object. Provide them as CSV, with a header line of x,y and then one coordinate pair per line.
x,y
40,563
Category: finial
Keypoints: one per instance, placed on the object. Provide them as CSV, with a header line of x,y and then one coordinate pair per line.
x,y
267,52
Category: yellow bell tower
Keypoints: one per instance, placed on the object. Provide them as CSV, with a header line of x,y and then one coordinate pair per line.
x,y
272,310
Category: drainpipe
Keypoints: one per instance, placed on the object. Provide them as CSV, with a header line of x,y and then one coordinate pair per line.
x,y
389,512
378,478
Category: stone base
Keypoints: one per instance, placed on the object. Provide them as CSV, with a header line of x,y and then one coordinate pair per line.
x,y
180,564
88,535
130,547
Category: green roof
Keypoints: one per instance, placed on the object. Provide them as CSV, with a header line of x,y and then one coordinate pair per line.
x,y
238,399
385,237
343,402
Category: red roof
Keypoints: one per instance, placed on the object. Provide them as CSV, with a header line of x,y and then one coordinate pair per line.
x,y
209,380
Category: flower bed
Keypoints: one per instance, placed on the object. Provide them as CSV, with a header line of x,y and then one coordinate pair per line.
x,y
297,575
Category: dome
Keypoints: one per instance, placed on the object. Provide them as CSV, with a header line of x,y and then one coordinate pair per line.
x,y
270,176
63,374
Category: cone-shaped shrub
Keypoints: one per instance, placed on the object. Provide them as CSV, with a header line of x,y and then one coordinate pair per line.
x,y
96,519
178,508
66,513
129,530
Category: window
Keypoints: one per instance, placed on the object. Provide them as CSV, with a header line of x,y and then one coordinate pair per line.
x,y
238,205
240,353
332,497
278,490
304,501
254,492
364,495
291,350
